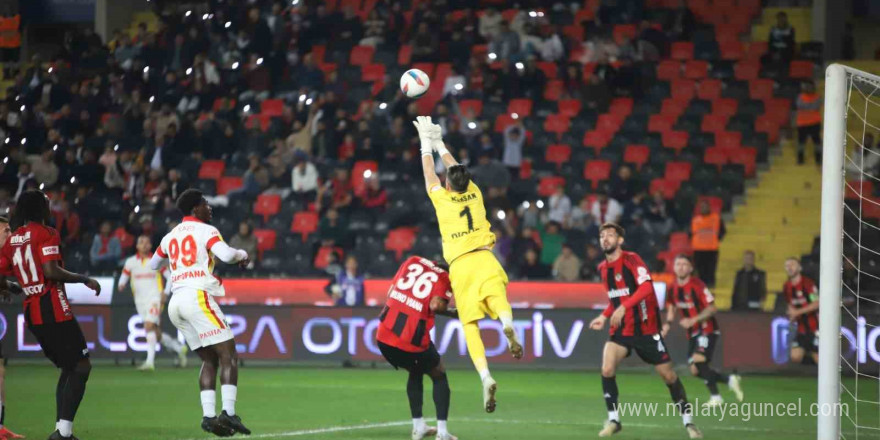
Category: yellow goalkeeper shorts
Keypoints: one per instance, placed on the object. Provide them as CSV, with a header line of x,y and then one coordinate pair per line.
x,y
476,277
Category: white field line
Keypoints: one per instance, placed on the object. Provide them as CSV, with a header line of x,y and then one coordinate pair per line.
x,y
318,431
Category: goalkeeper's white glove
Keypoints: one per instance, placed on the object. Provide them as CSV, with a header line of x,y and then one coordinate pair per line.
x,y
439,146
428,133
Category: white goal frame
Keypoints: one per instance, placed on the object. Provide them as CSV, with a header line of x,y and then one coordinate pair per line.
x,y
837,92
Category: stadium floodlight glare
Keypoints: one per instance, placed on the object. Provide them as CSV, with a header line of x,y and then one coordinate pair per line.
x,y
302,98
23,141
492,56
540,204
501,215
204,16
368,174
520,65
383,106
73,179
514,115
852,111
228,24
23,107
235,65
147,69
55,147
7,141
152,98
533,14
188,13
309,101
42,185
51,69
259,61
137,209
116,147
6,159
189,71
526,204
247,108
472,125
458,86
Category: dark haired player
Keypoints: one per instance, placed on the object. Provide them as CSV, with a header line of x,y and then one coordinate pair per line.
x,y
803,308
692,298
5,433
635,326
418,292
189,250
479,283
33,255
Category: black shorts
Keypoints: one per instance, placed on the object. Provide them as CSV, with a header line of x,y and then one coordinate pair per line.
x,y
702,344
62,342
807,341
813,132
419,362
650,348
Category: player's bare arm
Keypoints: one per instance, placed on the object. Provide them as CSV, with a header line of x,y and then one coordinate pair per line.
x,y
795,312
670,317
598,323
53,271
705,314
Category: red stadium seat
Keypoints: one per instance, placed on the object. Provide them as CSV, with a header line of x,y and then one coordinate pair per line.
x,y
679,243
716,204
304,223
400,240
428,68
547,185
621,108
715,156
522,107
683,89
768,124
596,171
622,31
666,187
746,70
322,254
779,109
608,122
678,171
729,140
550,69
404,56
584,14
696,69
597,139
725,106
502,121
261,121
757,49
226,184
637,155
871,208
223,104
800,69
557,124
373,72
671,107
856,189
676,140
361,55
747,157
668,259
553,90
212,169
126,240
318,52
471,105
272,107
761,89
557,154
266,240
668,70
732,50
714,123
660,123
525,169
358,174
574,32
682,50
709,89
267,205
569,107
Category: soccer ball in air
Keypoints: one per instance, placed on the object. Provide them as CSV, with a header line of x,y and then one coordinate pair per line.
x,y
414,83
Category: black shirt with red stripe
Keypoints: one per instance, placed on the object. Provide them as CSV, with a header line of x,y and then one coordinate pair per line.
x,y
23,255
628,283
799,295
691,299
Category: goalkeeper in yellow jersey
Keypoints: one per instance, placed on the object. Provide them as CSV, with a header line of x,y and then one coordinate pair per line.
x,y
479,283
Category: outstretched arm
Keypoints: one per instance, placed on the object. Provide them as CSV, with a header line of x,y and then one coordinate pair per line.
x,y
428,134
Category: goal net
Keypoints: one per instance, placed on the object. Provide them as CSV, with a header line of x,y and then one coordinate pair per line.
x,y
849,290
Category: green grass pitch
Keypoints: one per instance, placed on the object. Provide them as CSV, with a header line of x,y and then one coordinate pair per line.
x,y
365,403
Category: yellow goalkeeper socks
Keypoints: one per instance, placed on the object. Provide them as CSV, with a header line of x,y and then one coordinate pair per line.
x,y
500,307
476,348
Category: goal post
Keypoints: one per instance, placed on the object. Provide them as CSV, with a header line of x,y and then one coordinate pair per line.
x,y
849,94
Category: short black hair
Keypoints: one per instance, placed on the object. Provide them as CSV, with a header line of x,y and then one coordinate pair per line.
x,y
189,200
32,206
611,225
685,257
458,177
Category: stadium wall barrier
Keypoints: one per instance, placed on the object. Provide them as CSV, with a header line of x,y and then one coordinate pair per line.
x,y
556,338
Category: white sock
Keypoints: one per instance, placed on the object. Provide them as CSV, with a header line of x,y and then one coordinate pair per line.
x,y
65,428
419,424
151,347
170,343
715,397
441,427
612,415
228,394
687,419
506,320
484,374
209,403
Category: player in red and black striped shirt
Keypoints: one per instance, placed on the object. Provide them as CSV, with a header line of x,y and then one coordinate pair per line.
x,y
803,308
635,326
420,290
692,298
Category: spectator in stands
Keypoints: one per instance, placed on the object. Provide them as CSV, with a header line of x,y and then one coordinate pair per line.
x,y
454,84
681,22
331,230
459,48
24,175
490,24
424,44
596,94
490,173
707,230
750,286
551,242
304,179
255,180
809,121
106,249
552,49
657,215
590,267
650,36
559,206
246,240
374,198
506,45
623,186
513,147
44,169
781,40
503,243
348,290
6,200
66,222
581,218
606,209
567,266
532,268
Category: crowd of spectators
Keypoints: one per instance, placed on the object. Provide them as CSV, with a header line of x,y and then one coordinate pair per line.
x,y
121,126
